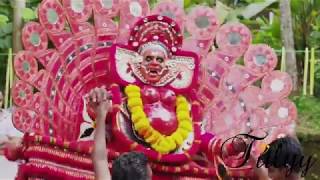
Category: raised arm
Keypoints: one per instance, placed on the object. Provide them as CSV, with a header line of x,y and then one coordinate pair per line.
x,y
99,100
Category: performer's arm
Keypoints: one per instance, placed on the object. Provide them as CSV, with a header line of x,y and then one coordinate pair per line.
x,y
99,101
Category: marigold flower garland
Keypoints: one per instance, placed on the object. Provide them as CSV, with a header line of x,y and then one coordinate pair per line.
x,y
160,143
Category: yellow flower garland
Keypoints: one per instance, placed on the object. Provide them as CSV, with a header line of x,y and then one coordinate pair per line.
x,y
161,143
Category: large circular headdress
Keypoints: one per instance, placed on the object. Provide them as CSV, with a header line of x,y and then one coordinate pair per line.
x,y
156,30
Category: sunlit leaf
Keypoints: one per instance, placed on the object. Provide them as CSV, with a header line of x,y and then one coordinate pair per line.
x,y
222,11
28,14
3,19
255,8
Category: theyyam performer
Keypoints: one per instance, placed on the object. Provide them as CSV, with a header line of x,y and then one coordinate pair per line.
x,y
177,92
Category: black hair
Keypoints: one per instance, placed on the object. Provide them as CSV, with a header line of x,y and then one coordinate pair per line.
x,y
130,166
284,152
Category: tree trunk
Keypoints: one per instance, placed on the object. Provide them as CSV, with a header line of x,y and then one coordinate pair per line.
x,y
288,41
18,6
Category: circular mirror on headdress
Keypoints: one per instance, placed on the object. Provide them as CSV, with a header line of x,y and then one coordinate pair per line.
x,y
34,37
23,119
22,93
234,38
51,15
25,65
78,10
276,85
109,8
202,22
260,59
131,11
171,10
282,112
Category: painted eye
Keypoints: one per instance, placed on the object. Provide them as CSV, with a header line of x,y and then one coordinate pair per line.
x,y
148,58
160,60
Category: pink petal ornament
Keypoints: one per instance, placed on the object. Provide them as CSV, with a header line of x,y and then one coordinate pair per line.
x,y
78,10
202,22
237,79
252,97
282,112
109,8
214,69
200,47
23,119
234,38
22,94
260,59
171,10
131,11
51,15
276,85
25,65
34,37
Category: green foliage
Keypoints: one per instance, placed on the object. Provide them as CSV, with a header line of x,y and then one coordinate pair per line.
x,y
317,79
308,111
3,19
28,14
5,36
306,23
6,18
255,14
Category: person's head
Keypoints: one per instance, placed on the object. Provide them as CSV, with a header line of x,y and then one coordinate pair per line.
x,y
153,66
282,158
1,99
131,166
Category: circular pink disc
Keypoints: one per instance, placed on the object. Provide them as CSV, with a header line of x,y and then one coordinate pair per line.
x,y
202,22
109,8
171,10
23,119
282,112
78,10
34,37
260,59
276,85
234,37
25,65
131,11
22,94
51,15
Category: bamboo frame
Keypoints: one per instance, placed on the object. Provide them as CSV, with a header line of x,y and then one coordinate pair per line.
x,y
312,71
305,73
283,60
9,81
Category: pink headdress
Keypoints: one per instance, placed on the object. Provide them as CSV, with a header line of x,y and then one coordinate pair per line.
x,y
158,31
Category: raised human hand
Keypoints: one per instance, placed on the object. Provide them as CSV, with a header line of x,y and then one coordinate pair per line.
x,y
100,101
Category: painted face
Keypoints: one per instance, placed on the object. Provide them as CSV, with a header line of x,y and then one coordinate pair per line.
x,y
153,67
